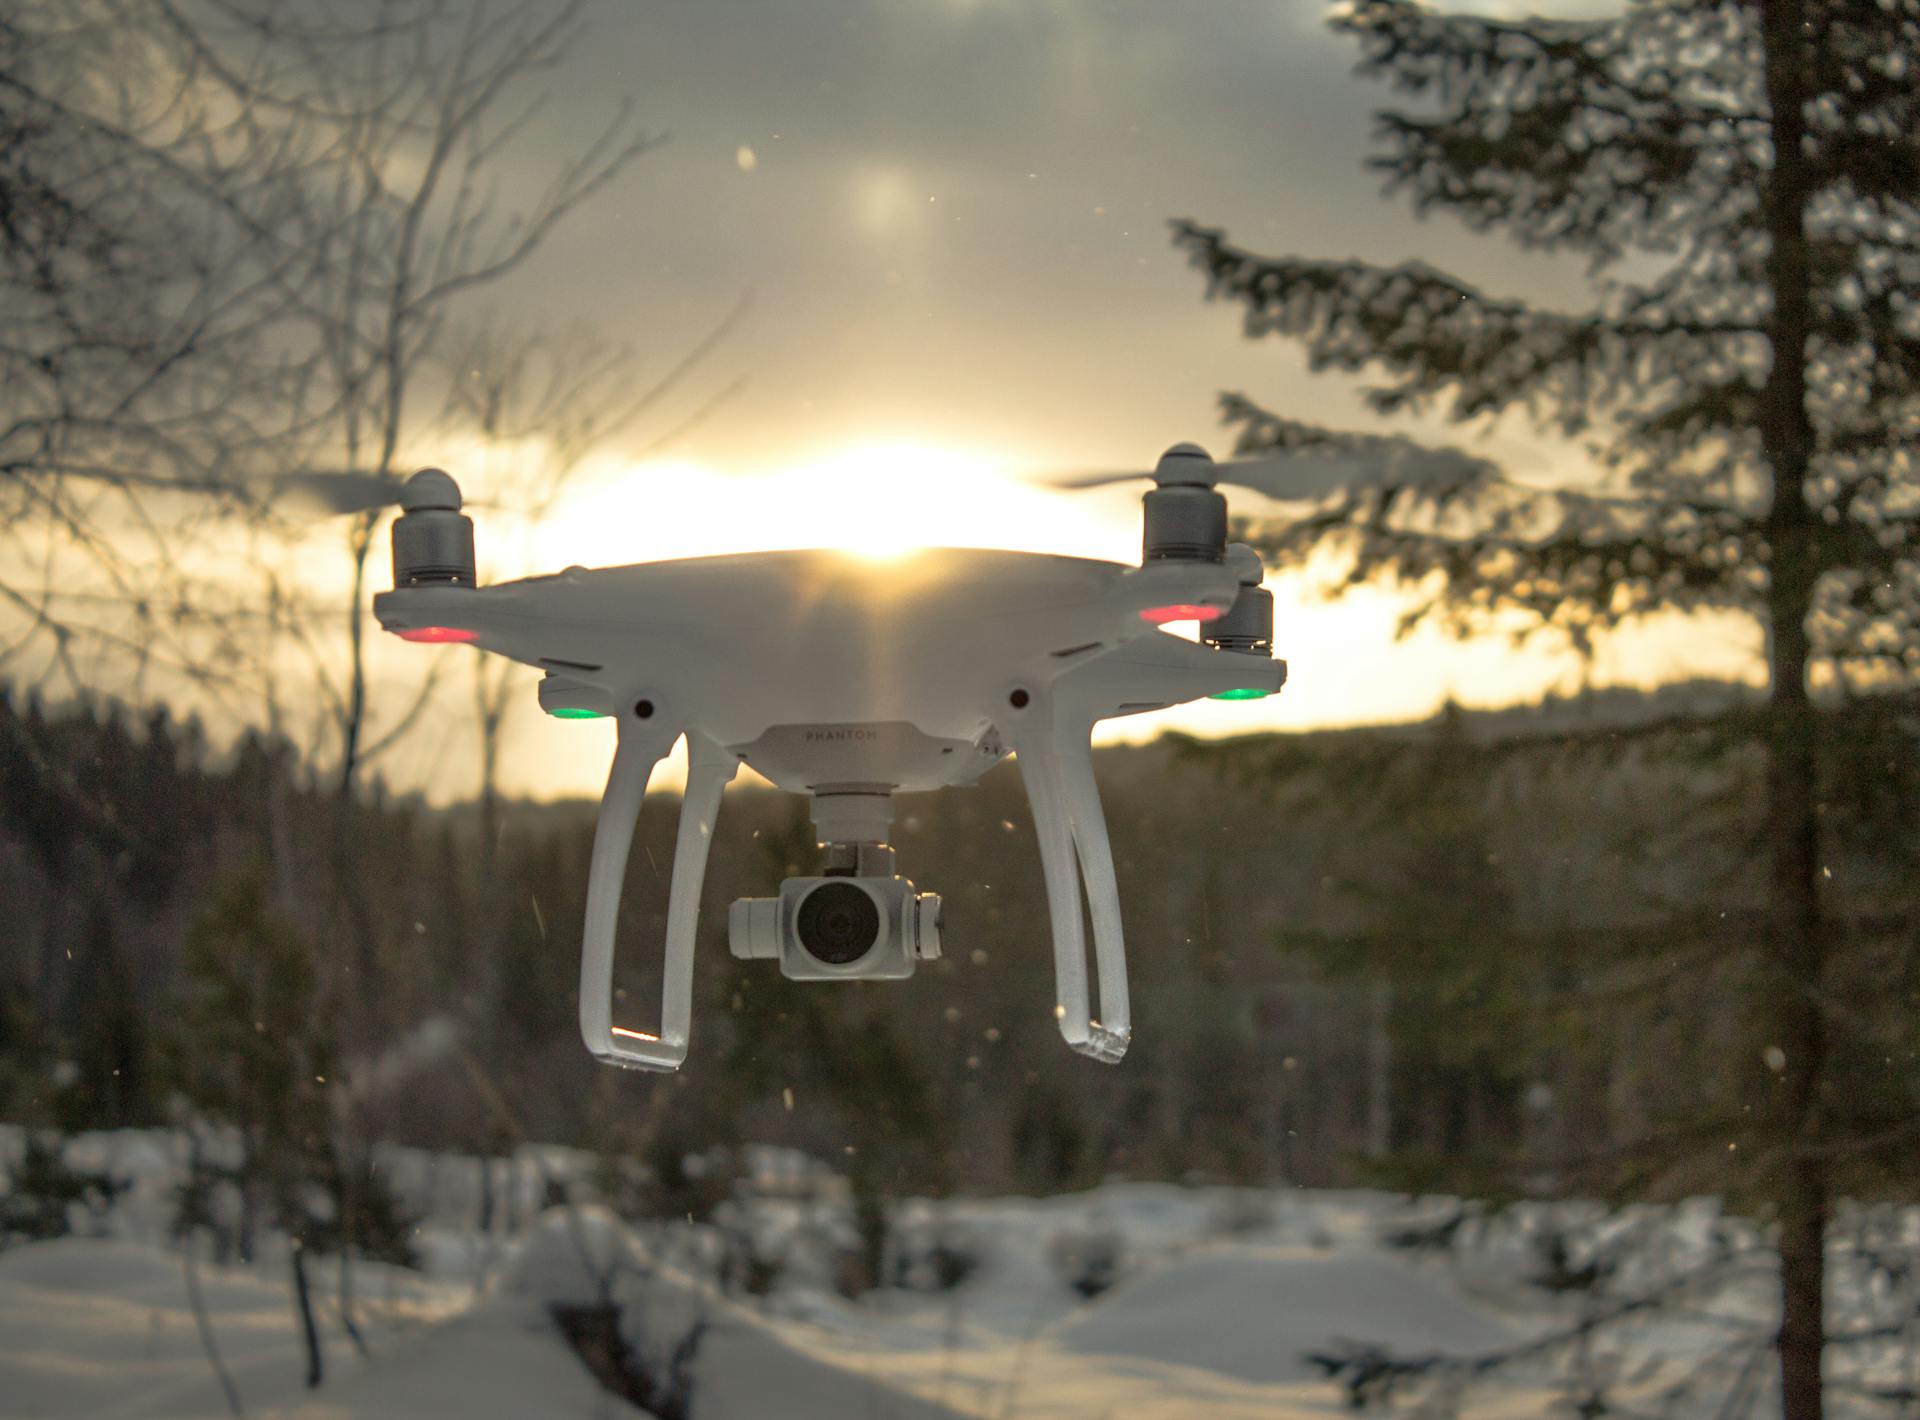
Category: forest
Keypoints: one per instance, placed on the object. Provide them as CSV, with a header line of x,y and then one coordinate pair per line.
x,y
1496,954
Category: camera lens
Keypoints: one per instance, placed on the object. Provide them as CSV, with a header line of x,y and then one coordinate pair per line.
x,y
838,923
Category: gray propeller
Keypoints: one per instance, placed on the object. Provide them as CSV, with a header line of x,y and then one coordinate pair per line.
x,y
335,492
1310,473
329,493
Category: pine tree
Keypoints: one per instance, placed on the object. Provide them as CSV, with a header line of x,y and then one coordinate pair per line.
x,y
1458,984
1757,398
106,1038
252,1050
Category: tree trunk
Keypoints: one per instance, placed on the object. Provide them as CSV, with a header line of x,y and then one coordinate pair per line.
x,y
1380,1070
247,1181
303,1304
204,1325
491,690
353,719
1795,941
47,968
349,1167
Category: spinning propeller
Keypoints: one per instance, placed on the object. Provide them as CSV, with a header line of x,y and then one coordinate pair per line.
x,y
334,493
330,493
1306,473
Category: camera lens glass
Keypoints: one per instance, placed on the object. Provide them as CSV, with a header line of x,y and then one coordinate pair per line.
x,y
838,923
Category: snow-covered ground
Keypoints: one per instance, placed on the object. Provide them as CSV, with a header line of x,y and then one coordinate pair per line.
x,y
102,1327
1221,1298
1202,1321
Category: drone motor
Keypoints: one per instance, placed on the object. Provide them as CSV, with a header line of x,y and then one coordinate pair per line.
x,y
1185,517
432,538
1248,624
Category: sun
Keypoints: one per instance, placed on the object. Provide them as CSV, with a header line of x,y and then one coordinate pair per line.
x,y
879,499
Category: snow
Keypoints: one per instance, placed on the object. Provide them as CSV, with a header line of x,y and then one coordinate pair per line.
x,y
501,1358
1254,1315
1200,1324
743,1361
1221,1296
102,1327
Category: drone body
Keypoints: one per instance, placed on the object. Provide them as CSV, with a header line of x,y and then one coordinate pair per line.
x,y
850,680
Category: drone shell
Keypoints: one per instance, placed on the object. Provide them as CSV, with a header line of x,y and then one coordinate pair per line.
x,y
757,643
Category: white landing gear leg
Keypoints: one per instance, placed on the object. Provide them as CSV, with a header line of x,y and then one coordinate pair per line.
x,y
709,769
1054,747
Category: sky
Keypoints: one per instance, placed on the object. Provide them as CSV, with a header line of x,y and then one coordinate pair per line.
x,y
950,217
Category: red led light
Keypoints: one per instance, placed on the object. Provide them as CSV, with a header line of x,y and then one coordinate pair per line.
x,y
437,635
1179,611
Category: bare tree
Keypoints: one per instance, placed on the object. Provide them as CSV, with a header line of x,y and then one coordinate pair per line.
x,y
403,221
147,207
404,224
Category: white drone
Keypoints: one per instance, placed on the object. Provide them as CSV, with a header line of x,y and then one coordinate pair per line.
x,y
851,681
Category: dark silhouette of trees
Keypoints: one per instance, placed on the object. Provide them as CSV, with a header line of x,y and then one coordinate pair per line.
x,y
1744,182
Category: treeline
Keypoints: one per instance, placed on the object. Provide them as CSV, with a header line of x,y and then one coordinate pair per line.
x,y
1490,953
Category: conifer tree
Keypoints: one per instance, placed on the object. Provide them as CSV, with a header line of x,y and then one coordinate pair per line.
x,y
252,1050
1744,183
106,1037
1456,982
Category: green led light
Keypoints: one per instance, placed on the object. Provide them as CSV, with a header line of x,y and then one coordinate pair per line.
x,y
1246,692
575,712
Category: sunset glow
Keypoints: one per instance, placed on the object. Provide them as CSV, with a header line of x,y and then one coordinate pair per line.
x,y
879,499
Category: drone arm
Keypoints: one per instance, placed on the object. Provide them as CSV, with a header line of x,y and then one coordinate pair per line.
x,y
709,769
1055,754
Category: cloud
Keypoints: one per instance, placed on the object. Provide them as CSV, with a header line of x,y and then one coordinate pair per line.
x,y
956,212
